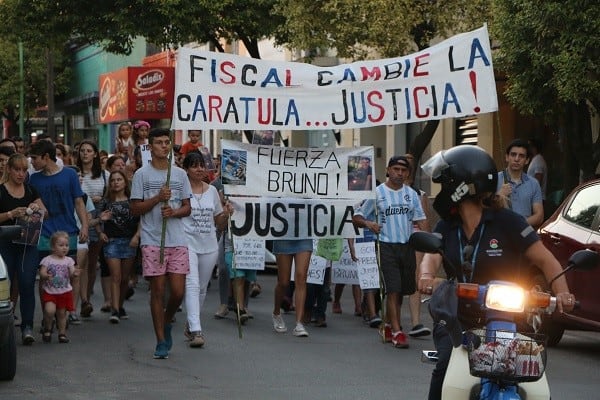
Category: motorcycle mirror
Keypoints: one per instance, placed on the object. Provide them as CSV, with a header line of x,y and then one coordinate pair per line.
x,y
426,242
582,260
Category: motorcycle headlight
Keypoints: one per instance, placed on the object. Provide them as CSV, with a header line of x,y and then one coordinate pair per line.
x,y
505,298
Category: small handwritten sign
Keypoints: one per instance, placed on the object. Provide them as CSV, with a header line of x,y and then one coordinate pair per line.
x,y
368,271
344,271
249,253
316,270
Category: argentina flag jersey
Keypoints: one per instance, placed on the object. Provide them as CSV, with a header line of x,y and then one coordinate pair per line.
x,y
396,211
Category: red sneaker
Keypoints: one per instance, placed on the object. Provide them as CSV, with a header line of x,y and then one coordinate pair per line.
x,y
385,331
399,340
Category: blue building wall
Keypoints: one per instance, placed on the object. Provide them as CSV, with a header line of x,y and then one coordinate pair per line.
x,y
89,62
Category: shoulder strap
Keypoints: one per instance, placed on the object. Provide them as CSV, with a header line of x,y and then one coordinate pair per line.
x,y
104,189
28,188
505,175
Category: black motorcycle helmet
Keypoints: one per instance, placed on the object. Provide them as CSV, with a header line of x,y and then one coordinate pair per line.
x,y
464,171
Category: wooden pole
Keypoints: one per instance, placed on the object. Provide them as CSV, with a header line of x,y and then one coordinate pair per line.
x,y
167,183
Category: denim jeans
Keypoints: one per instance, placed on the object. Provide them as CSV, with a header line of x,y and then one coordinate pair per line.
x,y
22,261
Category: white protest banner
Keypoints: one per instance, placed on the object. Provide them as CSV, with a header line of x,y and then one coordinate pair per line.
x,y
256,170
368,271
224,91
291,218
344,270
249,253
316,270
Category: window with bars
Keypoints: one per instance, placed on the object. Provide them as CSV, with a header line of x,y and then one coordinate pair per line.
x,y
467,130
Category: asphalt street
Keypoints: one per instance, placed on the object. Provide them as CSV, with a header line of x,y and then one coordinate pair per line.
x,y
346,360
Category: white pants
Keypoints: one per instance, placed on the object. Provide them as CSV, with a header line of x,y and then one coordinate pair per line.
x,y
196,282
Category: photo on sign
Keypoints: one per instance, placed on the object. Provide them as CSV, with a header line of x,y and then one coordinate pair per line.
x,y
360,173
233,167
266,138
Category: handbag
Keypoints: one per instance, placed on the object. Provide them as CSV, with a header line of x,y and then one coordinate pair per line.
x,y
443,307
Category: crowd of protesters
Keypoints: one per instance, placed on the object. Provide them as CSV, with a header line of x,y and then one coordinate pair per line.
x,y
167,221
110,213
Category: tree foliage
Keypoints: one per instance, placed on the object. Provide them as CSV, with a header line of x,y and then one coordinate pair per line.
x,y
359,29
114,24
549,52
37,36
363,29
54,26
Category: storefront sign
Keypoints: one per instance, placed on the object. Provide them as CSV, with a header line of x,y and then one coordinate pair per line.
x,y
136,93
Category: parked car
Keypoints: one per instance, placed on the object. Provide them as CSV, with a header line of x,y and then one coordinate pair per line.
x,y
573,226
270,261
8,347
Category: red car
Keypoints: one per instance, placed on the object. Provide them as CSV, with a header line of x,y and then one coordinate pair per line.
x,y
575,226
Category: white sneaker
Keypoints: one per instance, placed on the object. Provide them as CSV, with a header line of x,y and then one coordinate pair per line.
x,y
279,324
299,330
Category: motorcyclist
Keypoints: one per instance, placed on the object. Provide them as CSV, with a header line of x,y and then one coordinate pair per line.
x,y
487,240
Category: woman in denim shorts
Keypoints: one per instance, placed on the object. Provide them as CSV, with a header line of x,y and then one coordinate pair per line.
x,y
121,239
287,251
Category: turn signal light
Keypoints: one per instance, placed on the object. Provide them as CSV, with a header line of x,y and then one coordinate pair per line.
x,y
538,299
468,291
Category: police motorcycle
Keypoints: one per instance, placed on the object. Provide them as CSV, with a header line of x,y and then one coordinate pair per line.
x,y
8,347
501,362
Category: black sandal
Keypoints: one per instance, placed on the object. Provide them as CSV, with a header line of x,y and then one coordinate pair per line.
x,y
62,338
47,336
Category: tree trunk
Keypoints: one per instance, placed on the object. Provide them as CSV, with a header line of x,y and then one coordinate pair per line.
x,y
421,141
576,131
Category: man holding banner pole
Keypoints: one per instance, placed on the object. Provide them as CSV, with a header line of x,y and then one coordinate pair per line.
x,y
397,206
155,202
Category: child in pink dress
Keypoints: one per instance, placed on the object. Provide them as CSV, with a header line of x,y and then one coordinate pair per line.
x,y
56,271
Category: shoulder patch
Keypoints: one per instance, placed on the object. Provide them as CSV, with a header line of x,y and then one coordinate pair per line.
x,y
525,232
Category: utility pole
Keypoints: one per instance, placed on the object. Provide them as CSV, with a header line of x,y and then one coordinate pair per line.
x,y
21,93
50,93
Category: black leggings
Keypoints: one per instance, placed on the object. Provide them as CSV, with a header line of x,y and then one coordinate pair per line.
x,y
443,345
